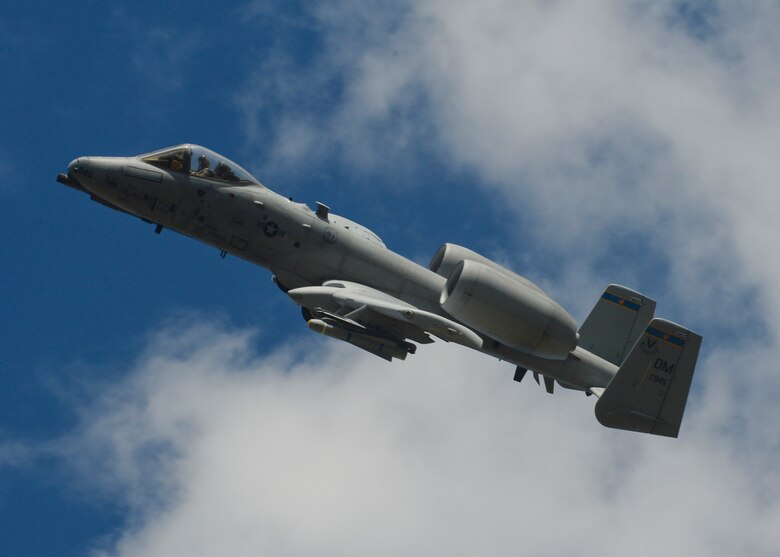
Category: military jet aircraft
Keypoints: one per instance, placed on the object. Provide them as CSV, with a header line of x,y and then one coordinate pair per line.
x,y
353,288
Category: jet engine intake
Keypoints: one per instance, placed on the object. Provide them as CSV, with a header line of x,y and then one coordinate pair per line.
x,y
449,255
510,311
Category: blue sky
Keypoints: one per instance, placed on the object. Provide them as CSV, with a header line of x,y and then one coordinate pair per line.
x,y
580,143
87,285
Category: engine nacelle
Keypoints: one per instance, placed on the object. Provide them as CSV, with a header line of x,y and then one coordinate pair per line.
x,y
450,255
517,315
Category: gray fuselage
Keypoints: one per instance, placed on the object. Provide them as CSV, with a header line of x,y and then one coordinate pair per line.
x,y
300,247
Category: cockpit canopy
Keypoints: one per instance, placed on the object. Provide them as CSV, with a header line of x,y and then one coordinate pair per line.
x,y
201,162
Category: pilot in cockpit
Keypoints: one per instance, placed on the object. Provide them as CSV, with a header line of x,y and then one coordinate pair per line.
x,y
224,172
204,169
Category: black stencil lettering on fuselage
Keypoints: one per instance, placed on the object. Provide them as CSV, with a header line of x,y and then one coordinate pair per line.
x,y
663,365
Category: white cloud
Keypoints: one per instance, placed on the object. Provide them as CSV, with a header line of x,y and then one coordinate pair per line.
x,y
595,120
318,449
636,142
598,121
161,54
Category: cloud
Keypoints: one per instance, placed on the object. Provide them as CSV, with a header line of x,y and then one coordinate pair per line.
x,y
635,141
161,51
636,135
318,449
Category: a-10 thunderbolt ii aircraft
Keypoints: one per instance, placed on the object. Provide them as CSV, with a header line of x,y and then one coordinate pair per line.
x,y
352,288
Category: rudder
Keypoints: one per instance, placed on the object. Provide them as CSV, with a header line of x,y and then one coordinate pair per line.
x,y
650,390
615,323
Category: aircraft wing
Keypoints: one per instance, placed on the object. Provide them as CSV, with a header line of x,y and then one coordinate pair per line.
x,y
375,321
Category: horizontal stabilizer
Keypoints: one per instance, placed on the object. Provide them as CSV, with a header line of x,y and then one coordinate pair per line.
x,y
650,390
615,323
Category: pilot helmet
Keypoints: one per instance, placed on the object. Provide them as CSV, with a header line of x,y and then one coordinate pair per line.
x,y
204,161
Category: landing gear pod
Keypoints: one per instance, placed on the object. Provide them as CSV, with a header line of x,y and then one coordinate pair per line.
x,y
509,311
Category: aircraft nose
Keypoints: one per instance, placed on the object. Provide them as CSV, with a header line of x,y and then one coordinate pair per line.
x,y
76,166
81,169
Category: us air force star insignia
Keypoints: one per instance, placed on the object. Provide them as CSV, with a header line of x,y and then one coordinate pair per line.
x,y
330,235
271,229
649,345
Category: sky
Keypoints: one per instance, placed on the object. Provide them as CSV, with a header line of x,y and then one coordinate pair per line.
x,y
158,400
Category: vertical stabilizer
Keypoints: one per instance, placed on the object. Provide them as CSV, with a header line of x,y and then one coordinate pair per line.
x,y
615,323
650,390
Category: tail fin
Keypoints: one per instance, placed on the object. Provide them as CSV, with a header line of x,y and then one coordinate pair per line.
x,y
650,390
615,323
